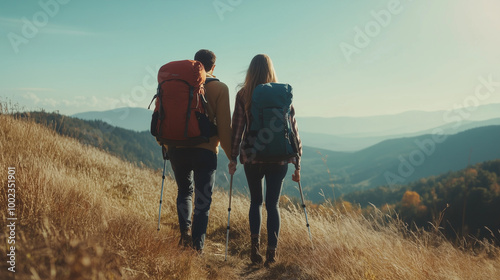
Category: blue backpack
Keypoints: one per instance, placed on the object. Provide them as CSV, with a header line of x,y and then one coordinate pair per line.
x,y
270,137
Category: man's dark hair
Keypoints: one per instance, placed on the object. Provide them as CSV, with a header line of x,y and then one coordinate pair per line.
x,y
206,57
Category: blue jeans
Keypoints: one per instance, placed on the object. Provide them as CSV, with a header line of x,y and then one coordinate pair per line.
x,y
274,175
194,169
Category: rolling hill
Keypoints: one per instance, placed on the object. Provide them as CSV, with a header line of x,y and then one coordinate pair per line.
x,y
395,161
352,144
399,161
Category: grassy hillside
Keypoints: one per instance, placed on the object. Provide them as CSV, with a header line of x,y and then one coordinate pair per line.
x,y
84,214
137,147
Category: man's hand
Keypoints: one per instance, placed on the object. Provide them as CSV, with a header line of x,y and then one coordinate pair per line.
x,y
232,167
296,176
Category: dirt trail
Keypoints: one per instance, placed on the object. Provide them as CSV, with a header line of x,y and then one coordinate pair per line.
x,y
239,266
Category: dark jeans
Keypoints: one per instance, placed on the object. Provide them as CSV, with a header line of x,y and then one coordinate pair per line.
x,y
274,175
194,169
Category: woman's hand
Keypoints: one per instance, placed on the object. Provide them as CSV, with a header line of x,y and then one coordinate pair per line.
x,y
296,176
232,167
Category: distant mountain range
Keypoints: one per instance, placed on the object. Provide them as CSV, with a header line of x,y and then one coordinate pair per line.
x,y
132,118
346,143
342,133
399,124
390,162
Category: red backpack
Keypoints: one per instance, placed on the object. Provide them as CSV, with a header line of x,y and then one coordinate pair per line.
x,y
180,117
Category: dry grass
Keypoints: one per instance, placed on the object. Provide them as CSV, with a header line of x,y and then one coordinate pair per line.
x,y
83,214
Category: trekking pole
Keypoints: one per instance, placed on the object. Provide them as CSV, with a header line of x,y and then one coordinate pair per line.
x,y
229,214
304,205
305,212
165,158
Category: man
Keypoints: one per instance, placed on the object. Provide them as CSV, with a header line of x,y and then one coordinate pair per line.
x,y
194,167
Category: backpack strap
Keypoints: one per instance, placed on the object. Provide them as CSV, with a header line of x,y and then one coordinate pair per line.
x,y
209,110
157,95
206,104
188,114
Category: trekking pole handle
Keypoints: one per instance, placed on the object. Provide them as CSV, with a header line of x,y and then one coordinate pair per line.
x,y
164,152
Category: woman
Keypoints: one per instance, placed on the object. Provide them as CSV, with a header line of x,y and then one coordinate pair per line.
x,y
260,71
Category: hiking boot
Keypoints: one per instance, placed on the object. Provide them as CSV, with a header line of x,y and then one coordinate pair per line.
x,y
255,256
186,239
270,257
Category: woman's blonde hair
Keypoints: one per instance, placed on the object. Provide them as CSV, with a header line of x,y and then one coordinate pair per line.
x,y
260,71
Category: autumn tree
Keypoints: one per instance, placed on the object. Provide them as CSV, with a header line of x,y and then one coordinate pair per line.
x,y
410,199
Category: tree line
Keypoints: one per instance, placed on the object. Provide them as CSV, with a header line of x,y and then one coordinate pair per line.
x,y
460,204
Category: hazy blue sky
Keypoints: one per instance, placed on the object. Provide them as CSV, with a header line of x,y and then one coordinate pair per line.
x,y
342,57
